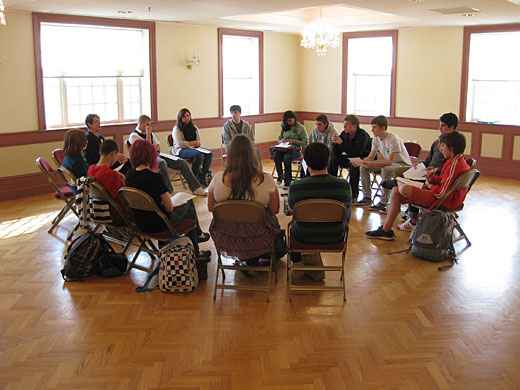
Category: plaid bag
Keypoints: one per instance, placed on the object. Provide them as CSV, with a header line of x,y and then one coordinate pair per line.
x,y
178,268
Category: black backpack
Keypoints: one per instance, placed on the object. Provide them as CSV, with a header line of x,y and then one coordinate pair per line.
x,y
91,254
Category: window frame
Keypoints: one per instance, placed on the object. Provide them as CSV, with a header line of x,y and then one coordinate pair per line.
x,y
393,78
466,45
39,18
243,33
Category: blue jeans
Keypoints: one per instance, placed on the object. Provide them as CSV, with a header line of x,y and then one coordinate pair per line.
x,y
200,163
283,160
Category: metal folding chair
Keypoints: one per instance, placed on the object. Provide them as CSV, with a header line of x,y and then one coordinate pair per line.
x,y
134,199
58,155
316,211
243,212
62,190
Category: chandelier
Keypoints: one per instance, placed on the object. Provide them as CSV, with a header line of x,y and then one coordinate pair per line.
x,y
2,13
319,36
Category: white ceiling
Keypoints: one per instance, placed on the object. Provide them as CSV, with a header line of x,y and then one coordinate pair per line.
x,y
286,15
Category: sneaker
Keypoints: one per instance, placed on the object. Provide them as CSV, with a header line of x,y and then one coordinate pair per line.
x,y
203,237
407,226
362,202
200,192
380,208
381,234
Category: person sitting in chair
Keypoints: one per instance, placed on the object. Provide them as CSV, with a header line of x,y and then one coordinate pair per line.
x,y
143,156
243,179
353,142
320,185
452,147
111,180
74,145
235,126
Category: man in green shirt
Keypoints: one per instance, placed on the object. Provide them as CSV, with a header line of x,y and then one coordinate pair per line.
x,y
319,184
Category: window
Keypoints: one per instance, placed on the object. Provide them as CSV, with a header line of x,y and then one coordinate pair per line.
x,y
241,71
369,73
493,78
91,67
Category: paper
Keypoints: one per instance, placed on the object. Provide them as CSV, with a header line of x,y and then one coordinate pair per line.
x,y
402,181
167,156
119,167
356,161
283,145
417,173
181,198
202,150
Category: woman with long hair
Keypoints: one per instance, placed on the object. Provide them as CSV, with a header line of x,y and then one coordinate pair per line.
x,y
243,179
74,145
293,133
186,145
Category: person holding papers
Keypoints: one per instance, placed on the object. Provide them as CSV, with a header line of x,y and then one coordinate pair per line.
x,y
186,145
388,156
293,138
448,123
143,156
144,131
353,142
111,180
452,147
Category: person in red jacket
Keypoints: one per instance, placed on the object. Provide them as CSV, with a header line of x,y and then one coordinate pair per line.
x,y
111,180
452,146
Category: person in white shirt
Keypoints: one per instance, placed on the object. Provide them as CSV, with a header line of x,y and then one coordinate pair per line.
x,y
186,145
143,131
388,157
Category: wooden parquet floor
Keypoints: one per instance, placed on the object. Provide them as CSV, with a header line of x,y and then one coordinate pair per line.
x,y
404,326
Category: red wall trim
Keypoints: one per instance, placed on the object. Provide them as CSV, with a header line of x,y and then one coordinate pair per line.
x,y
245,33
370,34
38,18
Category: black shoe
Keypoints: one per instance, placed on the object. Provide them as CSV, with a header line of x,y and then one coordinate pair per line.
x,y
362,202
203,237
380,208
204,254
389,184
381,234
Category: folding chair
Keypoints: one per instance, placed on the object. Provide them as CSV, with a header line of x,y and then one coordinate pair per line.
x,y
413,149
58,155
243,212
464,181
296,166
135,199
316,211
62,190
107,213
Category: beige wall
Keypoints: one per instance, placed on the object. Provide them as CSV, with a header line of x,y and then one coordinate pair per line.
x,y
17,83
282,72
177,86
321,81
429,65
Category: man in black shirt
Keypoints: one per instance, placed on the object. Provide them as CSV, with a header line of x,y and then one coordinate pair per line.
x,y
352,142
94,139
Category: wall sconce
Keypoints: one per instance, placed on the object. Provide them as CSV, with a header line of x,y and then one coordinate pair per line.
x,y
193,61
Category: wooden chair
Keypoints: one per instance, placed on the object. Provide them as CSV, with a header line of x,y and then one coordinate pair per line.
x,y
247,212
62,190
316,211
413,149
134,199
58,155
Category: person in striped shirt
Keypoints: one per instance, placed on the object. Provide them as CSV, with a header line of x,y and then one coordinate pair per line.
x,y
452,146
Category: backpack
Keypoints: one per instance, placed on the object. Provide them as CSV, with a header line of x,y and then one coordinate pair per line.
x,y
90,254
178,268
81,257
432,238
